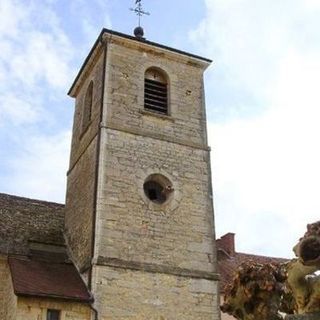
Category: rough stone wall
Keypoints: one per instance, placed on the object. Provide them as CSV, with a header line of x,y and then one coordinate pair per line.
x,y
124,294
8,300
82,172
125,95
79,207
137,144
131,227
22,220
36,309
81,139
166,245
152,262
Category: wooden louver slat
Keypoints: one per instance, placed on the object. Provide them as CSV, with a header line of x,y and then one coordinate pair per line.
x,y
155,96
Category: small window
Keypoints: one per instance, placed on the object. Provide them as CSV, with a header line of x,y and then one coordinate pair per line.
x,y
53,314
154,191
156,91
158,188
87,107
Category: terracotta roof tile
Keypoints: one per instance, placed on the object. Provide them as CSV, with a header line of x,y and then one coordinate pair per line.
x,y
47,279
227,265
229,260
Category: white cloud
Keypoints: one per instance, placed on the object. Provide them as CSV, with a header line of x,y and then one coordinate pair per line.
x,y
88,11
266,161
17,111
35,68
12,13
43,59
35,55
40,170
312,4
39,54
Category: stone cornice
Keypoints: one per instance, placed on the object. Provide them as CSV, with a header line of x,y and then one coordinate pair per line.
x,y
156,268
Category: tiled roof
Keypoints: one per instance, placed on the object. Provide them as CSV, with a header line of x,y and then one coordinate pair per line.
x,y
47,279
228,265
23,220
229,260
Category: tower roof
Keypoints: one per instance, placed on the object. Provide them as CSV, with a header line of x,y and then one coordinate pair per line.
x,y
111,33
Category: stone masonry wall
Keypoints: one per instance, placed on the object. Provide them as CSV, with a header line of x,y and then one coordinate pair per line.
x,y
8,300
154,261
124,102
81,139
36,309
136,144
133,295
151,261
79,207
82,172
131,227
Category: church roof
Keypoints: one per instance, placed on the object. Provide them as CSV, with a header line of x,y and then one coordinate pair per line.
x,y
31,233
47,279
23,220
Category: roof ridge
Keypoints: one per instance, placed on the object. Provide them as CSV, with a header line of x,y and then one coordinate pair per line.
x,y
260,255
16,197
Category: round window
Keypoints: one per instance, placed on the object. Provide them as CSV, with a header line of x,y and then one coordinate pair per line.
x,y
157,188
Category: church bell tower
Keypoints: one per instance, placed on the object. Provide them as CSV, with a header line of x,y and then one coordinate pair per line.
x,y
139,215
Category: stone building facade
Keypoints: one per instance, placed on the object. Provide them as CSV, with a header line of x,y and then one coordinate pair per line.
x,y
138,225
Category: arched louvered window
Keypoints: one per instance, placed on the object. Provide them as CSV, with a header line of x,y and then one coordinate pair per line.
x,y
156,91
87,108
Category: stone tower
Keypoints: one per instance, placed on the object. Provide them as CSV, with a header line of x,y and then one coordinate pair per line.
x,y
139,216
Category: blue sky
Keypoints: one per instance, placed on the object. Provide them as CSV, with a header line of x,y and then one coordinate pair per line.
x,y
262,94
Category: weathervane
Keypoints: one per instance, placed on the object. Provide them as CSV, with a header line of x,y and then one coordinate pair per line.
x,y
138,32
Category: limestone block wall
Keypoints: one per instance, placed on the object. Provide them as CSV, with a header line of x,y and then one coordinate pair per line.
x,y
81,138
82,172
79,206
130,227
135,295
8,300
150,261
124,103
36,309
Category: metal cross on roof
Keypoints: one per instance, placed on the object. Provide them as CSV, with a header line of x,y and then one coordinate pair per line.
x,y
139,10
